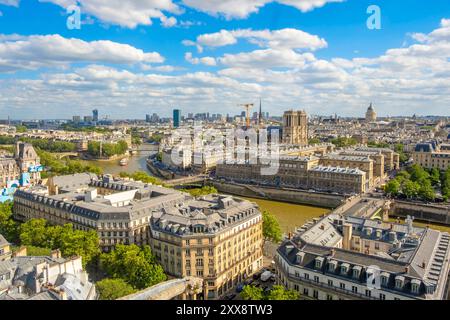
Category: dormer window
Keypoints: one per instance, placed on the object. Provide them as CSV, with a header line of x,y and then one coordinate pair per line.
x,y
318,263
332,266
399,281
384,279
415,286
356,272
344,268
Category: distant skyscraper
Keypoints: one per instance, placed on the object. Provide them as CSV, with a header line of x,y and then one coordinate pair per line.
x,y
76,119
148,118
176,118
95,115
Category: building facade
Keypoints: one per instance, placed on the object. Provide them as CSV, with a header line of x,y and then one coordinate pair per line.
x,y
22,169
430,155
295,128
217,238
349,258
119,211
295,172
371,115
44,278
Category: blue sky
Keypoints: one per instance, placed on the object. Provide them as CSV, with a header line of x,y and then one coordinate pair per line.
x,y
142,56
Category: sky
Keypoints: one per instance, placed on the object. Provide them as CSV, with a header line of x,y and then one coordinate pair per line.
x,y
137,57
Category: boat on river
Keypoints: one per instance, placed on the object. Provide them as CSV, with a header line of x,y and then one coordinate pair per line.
x,y
123,162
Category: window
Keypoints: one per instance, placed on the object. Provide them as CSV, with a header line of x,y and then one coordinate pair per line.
x,y
306,276
316,294
329,297
368,293
382,296
296,287
305,291
354,289
330,283
342,285
316,279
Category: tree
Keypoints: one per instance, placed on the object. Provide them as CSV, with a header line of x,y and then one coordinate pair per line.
x,y
37,233
435,176
392,187
314,141
411,189
252,293
418,174
280,293
8,227
137,266
112,289
271,228
34,233
426,191
203,191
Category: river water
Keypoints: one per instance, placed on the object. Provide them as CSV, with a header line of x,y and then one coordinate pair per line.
x,y
136,162
290,216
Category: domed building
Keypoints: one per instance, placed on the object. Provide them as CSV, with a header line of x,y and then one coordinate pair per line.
x,y
371,115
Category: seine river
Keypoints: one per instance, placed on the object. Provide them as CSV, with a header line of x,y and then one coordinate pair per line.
x,y
290,216
136,162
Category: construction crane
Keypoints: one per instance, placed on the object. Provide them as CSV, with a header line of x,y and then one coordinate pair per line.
x,y
247,108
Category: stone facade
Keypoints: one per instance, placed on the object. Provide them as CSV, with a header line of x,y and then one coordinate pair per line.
x,y
25,159
430,155
337,258
297,172
217,238
295,128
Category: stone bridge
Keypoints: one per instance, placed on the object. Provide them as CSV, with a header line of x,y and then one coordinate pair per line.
x,y
185,289
62,155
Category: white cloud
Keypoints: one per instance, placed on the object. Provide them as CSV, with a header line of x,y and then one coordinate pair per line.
x,y
128,13
14,3
218,39
32,52
168,22
208,61
243,8
403,80
280,39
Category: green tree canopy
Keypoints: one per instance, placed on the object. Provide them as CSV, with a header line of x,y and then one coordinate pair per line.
x,y
37,233
271,228
280,293
252,293
112,289
392,187
137,266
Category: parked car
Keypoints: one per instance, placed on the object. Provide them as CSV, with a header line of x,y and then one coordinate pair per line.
x,y
240,287
266,276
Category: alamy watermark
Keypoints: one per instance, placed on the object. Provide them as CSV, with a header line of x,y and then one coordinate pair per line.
x,y
227,146
74,18
374,20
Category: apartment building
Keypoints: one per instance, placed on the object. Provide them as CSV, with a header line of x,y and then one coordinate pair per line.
x,y
350,258
119,211
295,172
217,238
431,155
5,249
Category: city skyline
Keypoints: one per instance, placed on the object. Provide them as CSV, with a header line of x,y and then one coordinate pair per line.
x,y
154,56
